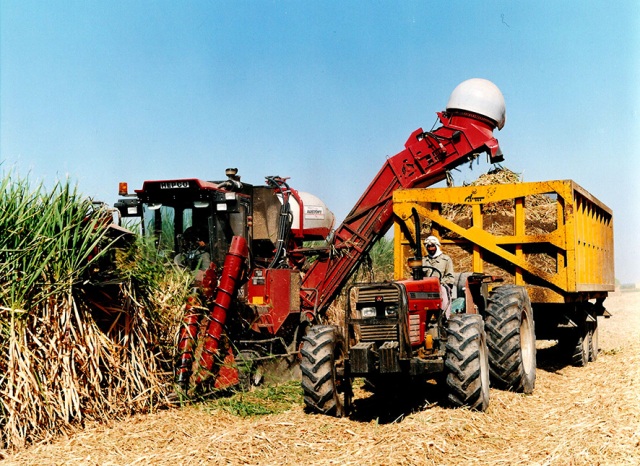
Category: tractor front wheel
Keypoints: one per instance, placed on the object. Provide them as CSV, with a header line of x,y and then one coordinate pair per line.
x,y
512,339
466,362
325,389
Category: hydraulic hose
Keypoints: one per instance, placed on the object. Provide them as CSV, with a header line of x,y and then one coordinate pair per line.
x,y
285,219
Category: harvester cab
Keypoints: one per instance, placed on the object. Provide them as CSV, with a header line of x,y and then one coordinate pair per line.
x,y
188,216
184,213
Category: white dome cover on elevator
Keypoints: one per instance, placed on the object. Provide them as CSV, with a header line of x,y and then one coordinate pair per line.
x,y
479,96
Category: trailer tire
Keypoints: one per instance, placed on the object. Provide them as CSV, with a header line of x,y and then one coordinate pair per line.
x,y
466,362
511,339
594,345
323,352
576,345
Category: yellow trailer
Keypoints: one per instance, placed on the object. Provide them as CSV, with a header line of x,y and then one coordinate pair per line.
x,y
552,237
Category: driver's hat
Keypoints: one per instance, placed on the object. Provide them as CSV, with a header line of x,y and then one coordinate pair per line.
x,y
431,240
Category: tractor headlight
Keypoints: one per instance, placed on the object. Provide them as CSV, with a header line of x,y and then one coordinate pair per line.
x,y
391,311
367,312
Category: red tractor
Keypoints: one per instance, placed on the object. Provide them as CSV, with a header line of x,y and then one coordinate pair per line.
x,y
258,292
403,332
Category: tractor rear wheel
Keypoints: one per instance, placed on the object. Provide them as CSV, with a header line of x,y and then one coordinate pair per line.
x,y
325,389
511,339
466,362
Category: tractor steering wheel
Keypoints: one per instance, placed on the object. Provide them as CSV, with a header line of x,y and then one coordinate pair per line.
x,y
432,269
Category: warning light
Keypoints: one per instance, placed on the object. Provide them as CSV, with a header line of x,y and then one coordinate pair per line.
x,y
123,189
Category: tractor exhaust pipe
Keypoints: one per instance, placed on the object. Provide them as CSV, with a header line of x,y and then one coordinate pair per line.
x,y
417,271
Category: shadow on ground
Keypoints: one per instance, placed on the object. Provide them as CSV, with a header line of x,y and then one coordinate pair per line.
x,y
552,358
392,404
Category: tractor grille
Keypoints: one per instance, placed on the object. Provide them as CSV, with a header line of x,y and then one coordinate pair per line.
x,y
369,332
369,295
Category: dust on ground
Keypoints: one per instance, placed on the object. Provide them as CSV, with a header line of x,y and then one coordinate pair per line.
x,y
576,416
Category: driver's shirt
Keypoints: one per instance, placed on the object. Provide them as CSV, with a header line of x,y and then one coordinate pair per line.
x,y
444,265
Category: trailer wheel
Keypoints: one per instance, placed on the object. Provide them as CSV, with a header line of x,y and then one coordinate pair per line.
x,y
325,390
466,362
576,346
594,345
511,339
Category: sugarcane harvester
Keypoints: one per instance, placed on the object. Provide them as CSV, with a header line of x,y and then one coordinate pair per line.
x,y
258,292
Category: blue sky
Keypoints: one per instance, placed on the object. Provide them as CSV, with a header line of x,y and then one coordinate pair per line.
x,y
321,92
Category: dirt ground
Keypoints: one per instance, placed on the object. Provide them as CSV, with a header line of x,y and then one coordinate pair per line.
x,y
576,416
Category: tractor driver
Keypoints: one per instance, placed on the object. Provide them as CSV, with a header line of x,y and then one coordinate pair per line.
x,y
442,263
438,260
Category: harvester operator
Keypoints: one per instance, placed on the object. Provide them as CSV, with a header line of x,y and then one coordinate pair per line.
x,y
194,254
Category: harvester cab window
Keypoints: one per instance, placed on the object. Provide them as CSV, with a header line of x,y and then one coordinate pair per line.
x,y
193,249
159,220
217,226
170,223
187,219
